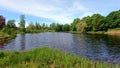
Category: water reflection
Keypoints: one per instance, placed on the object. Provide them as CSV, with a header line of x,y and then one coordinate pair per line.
x,y
90,46
1,45
93,46
22,43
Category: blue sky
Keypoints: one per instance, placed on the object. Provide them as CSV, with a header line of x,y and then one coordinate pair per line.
x,y
59,11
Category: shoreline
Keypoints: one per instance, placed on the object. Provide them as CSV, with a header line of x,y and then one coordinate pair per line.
x,y
109,32
5,37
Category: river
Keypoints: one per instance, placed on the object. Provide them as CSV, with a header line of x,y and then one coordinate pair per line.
x,y
93,46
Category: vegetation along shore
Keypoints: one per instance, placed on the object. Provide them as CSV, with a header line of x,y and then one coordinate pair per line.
x,y
48,58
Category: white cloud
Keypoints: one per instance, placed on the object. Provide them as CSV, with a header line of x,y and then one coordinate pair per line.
x,y
56,10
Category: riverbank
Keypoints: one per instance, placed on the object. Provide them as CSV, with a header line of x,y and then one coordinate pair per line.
x,y
4,36
47,58
110,32
113,32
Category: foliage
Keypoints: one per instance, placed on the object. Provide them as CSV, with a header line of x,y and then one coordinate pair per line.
x,y
11,24
59,27
73,25
52,26
113,19
66,27
36,28
3,35
10,31
47,58
22,23
82,27
97,21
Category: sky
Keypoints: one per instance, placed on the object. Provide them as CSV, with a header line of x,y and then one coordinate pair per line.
x,y
58,11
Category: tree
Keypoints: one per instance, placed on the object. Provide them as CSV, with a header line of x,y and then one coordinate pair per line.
x,y
88,22
22,23
73,25
31,27
97,21
113,19
66,27
58,27
53,26
82,27
11,24
37,26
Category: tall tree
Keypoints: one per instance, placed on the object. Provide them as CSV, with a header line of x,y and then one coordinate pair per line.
x,y
22,23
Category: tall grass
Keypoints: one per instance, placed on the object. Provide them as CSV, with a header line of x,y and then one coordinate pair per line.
x,y
47,58
3,35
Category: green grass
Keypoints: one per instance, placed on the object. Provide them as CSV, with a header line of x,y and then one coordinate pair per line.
x,y
3,35
6,36
47,58
115,29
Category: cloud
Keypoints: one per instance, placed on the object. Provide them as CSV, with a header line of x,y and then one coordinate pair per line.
x,y
56,10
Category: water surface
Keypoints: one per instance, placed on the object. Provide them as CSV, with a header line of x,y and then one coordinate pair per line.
x,y
93,46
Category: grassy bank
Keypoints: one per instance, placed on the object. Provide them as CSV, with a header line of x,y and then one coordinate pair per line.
x,y
6,36
110,32
47,58
3,35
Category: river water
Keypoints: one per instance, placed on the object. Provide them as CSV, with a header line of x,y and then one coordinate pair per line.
x,y
93,46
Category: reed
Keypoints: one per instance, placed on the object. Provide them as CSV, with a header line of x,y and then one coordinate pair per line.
x,y
47,58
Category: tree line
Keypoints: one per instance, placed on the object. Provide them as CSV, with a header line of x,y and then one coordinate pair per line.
x,y
11,27
95,23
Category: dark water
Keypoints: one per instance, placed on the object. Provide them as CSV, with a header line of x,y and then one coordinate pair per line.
x,y
93,46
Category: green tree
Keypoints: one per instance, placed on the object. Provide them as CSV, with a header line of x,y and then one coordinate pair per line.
x,y
58,27
97,21
37,26
73,25
22,23
88,22
11,24
113,19
31,28
82,27
53,26
66,27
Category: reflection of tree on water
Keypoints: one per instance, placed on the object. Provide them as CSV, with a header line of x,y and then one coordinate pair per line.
x,y
91,46
2,42
1,45
113,43
97,49
103,47
22,42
